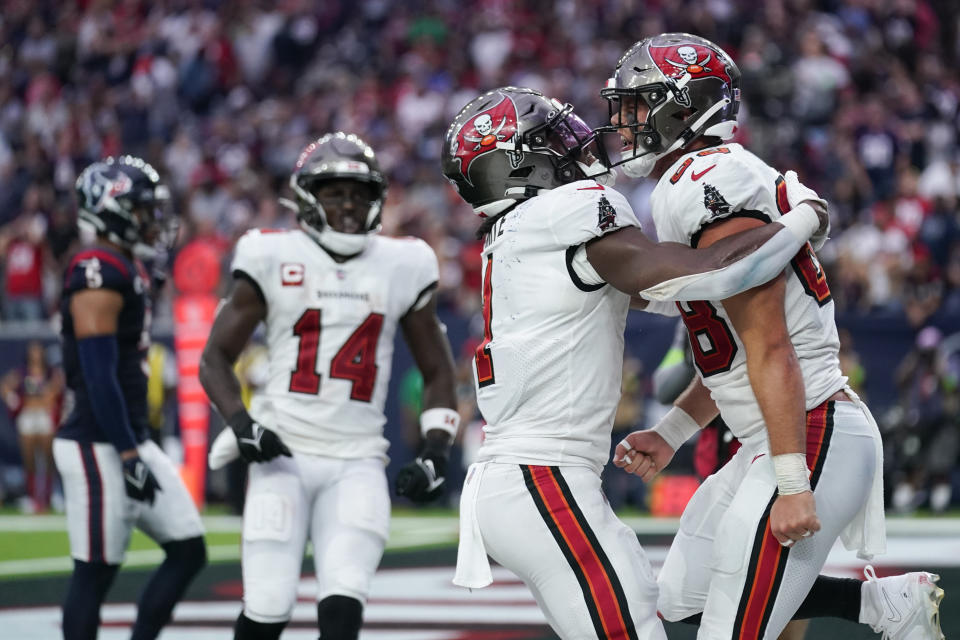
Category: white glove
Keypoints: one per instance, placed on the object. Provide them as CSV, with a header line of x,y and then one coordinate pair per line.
x,y
797,192
224,449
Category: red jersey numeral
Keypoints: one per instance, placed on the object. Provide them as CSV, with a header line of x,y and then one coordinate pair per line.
x,y
679,172
355,361
805,263
484,361
711,340
357,358
812,277
305,378
712,150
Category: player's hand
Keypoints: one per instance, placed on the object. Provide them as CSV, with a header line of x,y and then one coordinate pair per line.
x,y
139,481
643,453
793,518
423,479
257,443
798,193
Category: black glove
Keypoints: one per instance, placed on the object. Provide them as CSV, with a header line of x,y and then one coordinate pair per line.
x,y
257,443
423,479
139,481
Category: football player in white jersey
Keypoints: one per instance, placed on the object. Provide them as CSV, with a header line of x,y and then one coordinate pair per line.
x,y
563,257
756,534
332,295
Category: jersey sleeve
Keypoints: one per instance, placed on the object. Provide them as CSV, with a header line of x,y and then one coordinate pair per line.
x,y
252,261
585,210
725,187
98,269
423,272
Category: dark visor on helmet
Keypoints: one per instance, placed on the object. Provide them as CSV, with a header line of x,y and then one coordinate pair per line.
x,y
567,137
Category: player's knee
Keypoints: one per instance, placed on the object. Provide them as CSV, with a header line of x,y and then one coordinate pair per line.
x,y
671,606
189,555
339,618
191,550
94,576
269,601
248,629
354,581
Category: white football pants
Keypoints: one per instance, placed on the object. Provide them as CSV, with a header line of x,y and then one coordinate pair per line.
x,y
100,516
342,504
725,562
552,527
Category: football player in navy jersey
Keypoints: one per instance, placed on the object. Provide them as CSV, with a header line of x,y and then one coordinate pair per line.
x,y
114,476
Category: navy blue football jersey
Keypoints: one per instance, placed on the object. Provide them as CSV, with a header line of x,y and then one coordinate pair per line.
x,y
103,268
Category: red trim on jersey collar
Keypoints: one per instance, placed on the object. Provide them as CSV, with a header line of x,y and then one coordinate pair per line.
x,y
100,254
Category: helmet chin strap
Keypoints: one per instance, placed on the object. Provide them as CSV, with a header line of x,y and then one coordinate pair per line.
x,y
640,167
601,174
347,245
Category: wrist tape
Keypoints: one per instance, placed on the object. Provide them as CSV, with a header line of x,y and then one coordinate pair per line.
x,y
802,221
440,418
792,474
676,427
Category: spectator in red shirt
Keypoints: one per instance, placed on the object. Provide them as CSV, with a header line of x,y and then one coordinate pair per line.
x,y
24,257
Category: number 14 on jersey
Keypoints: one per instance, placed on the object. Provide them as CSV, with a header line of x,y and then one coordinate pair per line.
x,y
355,361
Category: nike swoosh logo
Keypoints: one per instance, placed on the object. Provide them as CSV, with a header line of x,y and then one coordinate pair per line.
x,y
137,481
255,440
431,473
891,606
696,176
599,187
759,455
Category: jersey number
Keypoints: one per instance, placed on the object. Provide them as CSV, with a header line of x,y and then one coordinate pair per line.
x,y
355,361
805,263
710,338
484,361
812,277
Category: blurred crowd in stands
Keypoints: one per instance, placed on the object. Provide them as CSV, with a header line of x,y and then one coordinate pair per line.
x,y
860,96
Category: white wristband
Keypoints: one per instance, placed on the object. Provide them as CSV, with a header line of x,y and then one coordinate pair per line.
x,y
802,221
676,427
440,418
792,474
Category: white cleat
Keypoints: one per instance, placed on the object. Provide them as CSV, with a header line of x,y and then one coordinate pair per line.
x,y
902,607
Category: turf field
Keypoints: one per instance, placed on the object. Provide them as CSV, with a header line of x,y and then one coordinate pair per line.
x,y
412,597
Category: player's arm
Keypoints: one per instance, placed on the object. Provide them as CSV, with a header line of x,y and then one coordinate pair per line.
x,y
422,479
777,381
645,453
634,264
95,314
236,321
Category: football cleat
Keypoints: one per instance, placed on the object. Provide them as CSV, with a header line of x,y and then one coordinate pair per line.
x,y
902,607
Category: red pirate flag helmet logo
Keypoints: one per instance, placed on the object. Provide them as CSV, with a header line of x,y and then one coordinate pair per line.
x,y
696,59
481,134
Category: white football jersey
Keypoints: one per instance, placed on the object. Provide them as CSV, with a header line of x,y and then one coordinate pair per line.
x,y
729,181
330,330
548,370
